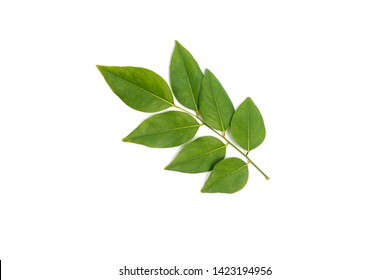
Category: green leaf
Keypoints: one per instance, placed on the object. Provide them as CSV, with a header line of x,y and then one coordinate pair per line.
x,y
139,88
186,77
247,127
214,103
229,176
199,156
169,129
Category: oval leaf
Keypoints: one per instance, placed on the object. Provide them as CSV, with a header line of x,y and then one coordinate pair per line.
x,y
199,156
215,105
139,88
247,127
229,176
164,130
186,77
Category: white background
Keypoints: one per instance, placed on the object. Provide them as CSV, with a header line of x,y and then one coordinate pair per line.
x,y
78,203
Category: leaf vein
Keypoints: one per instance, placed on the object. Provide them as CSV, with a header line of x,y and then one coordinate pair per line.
x,y
209,152
248,115
216,105
149,92
188,79
227,175
165,131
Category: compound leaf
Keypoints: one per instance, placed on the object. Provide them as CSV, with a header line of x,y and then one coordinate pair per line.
x,y
215,105
247,127
228,176
186,77
146,91
169,129
199,156
139,88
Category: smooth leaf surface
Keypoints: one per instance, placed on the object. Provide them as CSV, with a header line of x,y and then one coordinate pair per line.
x,y
186,77
164,130
215,106
247,127
228,176
139,88
199,156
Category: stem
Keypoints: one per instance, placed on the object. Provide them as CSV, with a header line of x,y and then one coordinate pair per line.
x,y
224,137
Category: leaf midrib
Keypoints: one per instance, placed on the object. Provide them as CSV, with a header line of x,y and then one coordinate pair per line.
x,y
188,79
248,115
235,171
164,131
193,158
216,105
137,86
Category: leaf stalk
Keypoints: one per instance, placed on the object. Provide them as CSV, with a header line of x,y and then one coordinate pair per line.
x,y
224,137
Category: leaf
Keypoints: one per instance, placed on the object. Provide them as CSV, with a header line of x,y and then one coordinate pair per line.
x,y
169,129
247,127
229,175
214,103
146,91
139,88
186,77
199,156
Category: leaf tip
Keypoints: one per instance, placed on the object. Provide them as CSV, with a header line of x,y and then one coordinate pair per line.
x,y
101,68
179,46
207,72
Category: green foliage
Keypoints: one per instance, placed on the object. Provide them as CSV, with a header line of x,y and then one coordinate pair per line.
x,y
215,106
146,91
169,129
139,88
199,156
228,176
247,127
186,77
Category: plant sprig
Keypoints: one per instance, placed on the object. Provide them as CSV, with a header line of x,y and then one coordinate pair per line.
x,y
228,142
146,91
